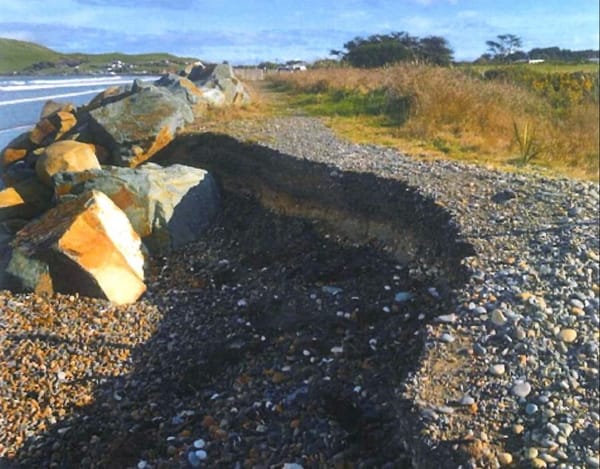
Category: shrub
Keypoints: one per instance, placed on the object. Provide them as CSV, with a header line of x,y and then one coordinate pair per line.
x,y
459,113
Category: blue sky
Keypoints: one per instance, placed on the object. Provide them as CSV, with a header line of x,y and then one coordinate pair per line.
x,y
249,31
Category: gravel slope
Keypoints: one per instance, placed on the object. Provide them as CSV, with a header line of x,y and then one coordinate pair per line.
x,y
245,352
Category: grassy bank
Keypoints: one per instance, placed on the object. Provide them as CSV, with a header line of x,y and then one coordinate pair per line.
x,y
28,58
508,118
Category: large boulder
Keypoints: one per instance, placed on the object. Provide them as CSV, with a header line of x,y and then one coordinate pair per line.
x,y
220,85
168,207
25,200
190,70
136,127
17,149
53,127
109,95
181,86
58,121
66,155
51,107
84,245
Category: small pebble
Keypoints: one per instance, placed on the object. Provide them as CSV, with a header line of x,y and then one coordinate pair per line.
x,y
199,443
538,463
505,459
518,428
531,408
593,461
446,318
498,369
531,453
193,459
521,389
498,317
568,335
448,338
466,400
402,296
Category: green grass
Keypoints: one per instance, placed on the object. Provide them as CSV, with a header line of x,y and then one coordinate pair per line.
x,y
21,57
546,67
17,55
457,114
393,110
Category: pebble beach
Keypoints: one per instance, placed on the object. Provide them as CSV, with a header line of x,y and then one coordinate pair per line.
x,y
268,344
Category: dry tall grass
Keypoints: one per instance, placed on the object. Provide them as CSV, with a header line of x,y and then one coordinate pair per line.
x,y
465,117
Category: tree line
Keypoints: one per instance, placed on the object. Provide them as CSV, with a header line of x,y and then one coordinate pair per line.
x,y
507,48
382,49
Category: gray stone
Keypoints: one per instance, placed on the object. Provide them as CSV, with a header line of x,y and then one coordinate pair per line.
x,y
222,79
402,296
168,207
521,388
136,127
531,408
181,87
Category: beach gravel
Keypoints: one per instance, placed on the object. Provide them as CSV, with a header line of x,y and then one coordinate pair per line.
x,y
266,344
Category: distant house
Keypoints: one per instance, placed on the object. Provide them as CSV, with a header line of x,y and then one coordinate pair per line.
x,y
294,66
536,61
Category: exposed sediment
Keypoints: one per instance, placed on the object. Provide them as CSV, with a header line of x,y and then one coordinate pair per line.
x,y
345,324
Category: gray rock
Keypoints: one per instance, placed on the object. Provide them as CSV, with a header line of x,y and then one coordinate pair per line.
x,y
181,87
402,296
220,78
521,388
139,125
168,207
531,408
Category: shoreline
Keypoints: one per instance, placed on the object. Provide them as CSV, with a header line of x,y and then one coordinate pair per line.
x,y
497,377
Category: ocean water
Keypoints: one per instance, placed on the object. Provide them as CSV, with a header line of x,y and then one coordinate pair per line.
x,y
22,97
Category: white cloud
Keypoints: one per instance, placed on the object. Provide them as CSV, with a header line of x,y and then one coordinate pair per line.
x,y
19,35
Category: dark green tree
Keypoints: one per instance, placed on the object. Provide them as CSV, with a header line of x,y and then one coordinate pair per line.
x,y
435,50
505,46
382,49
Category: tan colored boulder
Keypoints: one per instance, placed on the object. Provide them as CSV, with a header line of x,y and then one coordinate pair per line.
x,y
66,155
43,132
53,126
51,107
85,245
12,155
25,200
66,121
16,150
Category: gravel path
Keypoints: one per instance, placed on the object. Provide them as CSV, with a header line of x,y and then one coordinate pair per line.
x,y
506,374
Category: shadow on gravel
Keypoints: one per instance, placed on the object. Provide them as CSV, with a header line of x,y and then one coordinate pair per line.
x,y
281,340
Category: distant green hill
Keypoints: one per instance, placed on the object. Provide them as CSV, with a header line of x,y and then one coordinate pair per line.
x,y
28,58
